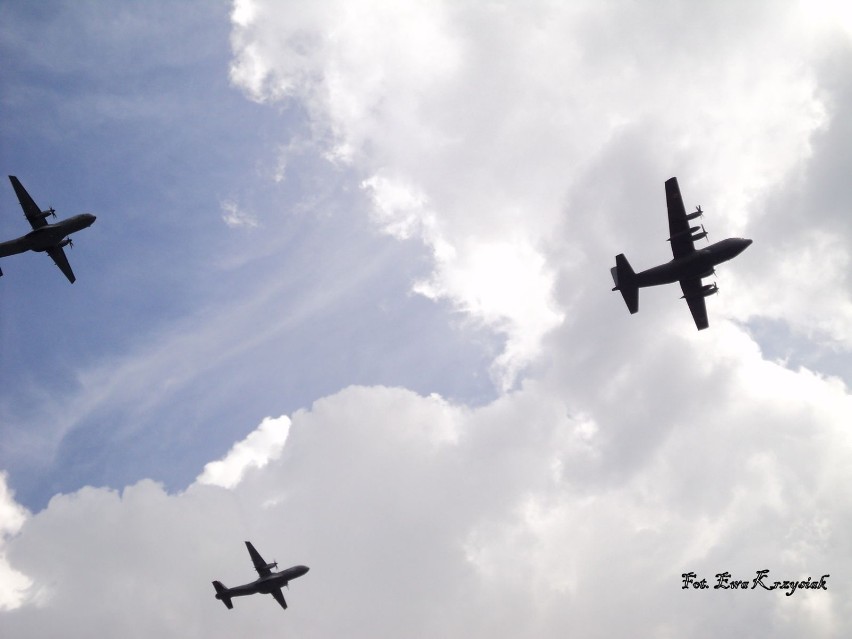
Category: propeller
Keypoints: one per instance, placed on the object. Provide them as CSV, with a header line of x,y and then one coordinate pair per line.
x,y
699,211
70,243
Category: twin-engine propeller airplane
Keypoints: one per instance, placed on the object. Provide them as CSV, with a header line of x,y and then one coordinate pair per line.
x,y
268,582
45,238
688,266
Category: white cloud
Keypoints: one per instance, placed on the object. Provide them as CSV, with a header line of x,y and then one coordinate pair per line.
x,y
255,451
477,147
507,286
455,519
827,15
235,217
13,584
810,286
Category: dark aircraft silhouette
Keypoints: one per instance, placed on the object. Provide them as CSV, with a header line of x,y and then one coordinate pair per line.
x,y
45,238
268,582
688,266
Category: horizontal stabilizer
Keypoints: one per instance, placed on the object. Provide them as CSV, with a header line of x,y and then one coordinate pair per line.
x,y
625,281
222,594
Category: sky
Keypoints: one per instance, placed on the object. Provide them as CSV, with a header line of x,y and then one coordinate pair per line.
x,y
347,296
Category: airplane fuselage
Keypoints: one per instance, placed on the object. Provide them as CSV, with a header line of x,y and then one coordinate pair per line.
x,y
48,236
697,264
266,585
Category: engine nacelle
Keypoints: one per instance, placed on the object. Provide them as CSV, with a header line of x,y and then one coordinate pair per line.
x,y
709,289
45,214
705,291
687,233
66,242
698,213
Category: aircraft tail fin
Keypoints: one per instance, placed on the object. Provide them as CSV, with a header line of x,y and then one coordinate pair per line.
x,y
625,281
222,594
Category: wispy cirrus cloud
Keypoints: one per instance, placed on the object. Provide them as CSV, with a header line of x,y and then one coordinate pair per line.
x,y
236,217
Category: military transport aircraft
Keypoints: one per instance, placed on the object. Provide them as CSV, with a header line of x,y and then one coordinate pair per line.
x,y
268,582
688,266
45,238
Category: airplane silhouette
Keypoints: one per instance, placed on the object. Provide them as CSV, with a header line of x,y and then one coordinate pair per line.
x,y
45,238
688,266
268,582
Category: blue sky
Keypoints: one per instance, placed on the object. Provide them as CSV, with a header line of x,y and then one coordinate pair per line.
x,y
348,296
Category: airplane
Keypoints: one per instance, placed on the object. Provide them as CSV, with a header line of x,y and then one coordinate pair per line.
x,y
268,582
45,238
689,265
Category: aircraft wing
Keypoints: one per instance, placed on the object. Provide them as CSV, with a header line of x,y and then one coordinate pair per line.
x,y
679,233
697,306
61,261
279,597
31,211
259,564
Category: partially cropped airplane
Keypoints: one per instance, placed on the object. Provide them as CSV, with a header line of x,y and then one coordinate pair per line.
x,y
689,265
45,238
268,582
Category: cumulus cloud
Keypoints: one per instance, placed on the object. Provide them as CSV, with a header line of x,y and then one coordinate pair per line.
x,y
255,451
13,584
478,147
515,518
